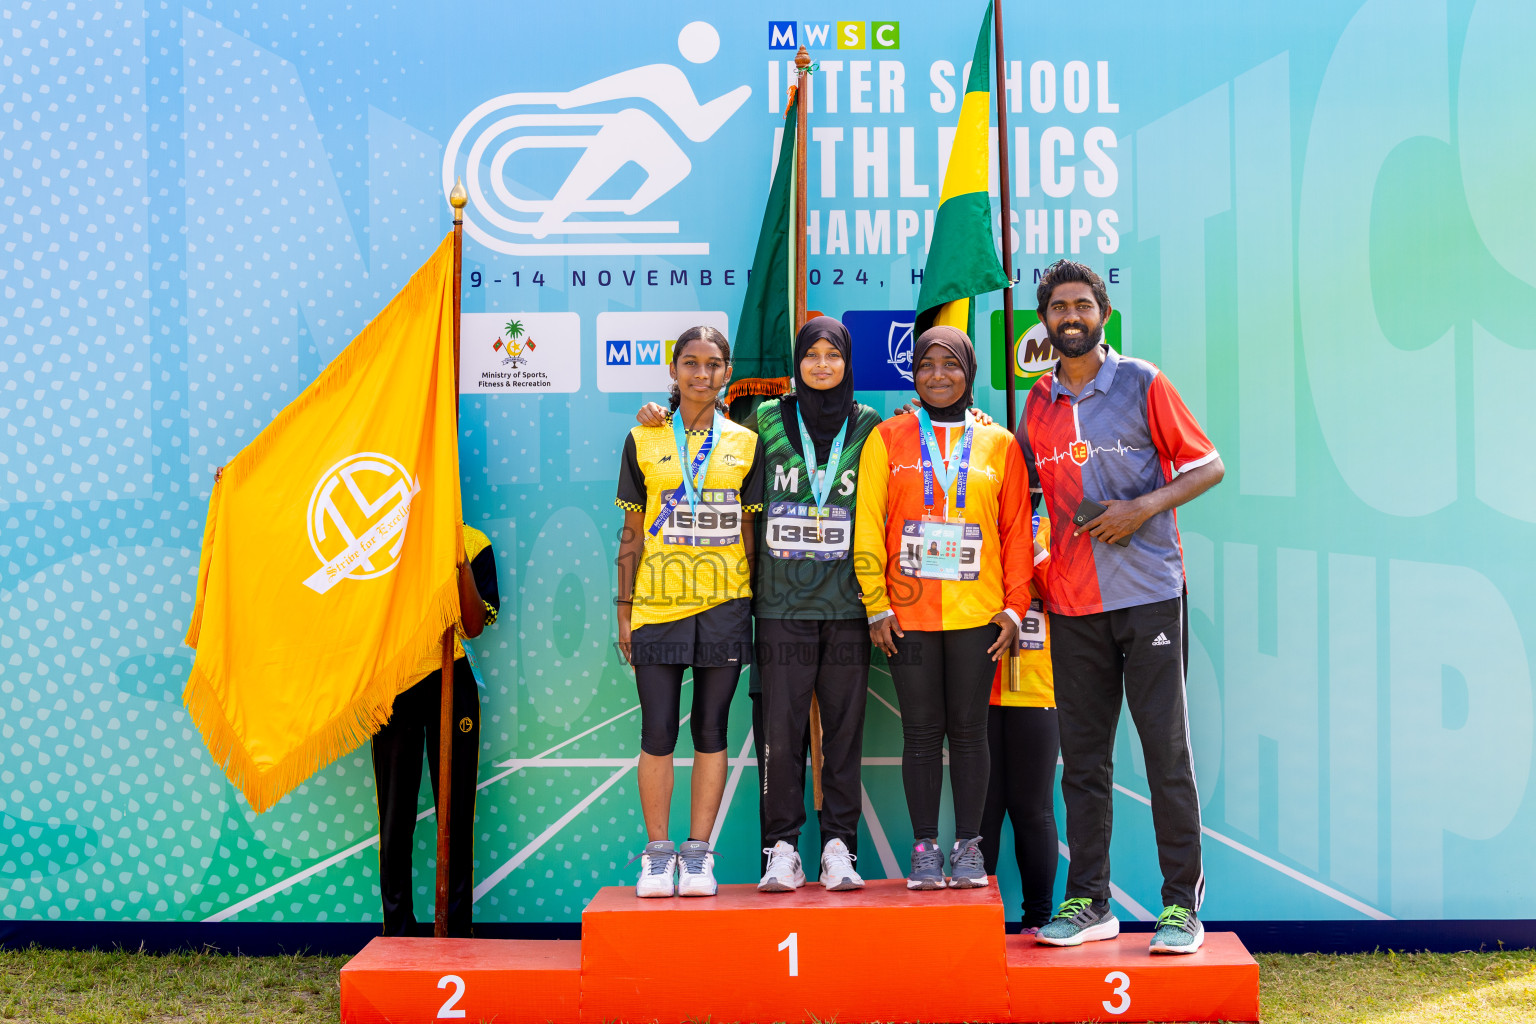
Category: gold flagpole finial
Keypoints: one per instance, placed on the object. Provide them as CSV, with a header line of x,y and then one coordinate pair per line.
x,y
458,198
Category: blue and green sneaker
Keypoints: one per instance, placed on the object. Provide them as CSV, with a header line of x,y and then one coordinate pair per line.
x,y
1077,921
1178,931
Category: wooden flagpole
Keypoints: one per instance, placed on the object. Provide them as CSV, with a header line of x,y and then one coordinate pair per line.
x,y
1005,190
803,94
1005,187
802,142
458,198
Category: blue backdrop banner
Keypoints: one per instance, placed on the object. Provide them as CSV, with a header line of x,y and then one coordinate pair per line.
x,y
1315,217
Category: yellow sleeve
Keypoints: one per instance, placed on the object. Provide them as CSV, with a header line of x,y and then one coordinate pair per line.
x,y
869,524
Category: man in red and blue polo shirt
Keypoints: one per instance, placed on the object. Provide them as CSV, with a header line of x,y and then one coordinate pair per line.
x,y
1112,429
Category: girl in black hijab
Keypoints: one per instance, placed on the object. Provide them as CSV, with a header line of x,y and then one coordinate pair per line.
x,y
811,631
944,556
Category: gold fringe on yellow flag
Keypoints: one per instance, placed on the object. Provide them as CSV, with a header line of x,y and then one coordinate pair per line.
x,y
330,554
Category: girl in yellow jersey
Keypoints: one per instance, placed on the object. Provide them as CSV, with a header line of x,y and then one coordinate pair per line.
x,y
1022,743
942,552
689,491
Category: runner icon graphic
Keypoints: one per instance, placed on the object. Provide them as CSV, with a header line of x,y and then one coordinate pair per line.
x,y
509,218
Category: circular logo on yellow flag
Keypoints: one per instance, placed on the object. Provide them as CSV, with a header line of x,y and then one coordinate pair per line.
x,y
357,517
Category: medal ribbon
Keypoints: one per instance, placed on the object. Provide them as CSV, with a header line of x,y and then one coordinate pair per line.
x,y
821,480
693,478
952,476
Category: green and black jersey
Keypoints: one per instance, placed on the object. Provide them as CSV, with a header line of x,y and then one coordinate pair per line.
x,y
805,560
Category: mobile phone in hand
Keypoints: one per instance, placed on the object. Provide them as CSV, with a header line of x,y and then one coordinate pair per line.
x,y
1090,510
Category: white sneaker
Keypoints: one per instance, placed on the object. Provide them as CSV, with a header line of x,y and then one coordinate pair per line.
x,y
658,870
784,872
837,872
696,869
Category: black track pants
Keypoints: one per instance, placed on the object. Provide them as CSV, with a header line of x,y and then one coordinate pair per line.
x,y
943,682
1022,744
830,659
397,750
1139,653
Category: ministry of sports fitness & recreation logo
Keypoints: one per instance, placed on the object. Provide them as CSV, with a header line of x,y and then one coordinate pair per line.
x,y
513,346
357,517
502,141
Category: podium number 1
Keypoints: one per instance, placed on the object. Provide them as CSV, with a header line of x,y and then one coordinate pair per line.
x,y
1121,992
446,1011
792,943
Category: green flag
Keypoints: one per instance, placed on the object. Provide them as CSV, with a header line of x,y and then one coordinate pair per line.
x,y
962,260
765,331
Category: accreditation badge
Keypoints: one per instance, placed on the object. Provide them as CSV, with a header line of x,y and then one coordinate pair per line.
x,y
940,549
796,530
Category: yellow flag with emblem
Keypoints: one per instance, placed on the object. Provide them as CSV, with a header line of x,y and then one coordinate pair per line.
x,y
330,553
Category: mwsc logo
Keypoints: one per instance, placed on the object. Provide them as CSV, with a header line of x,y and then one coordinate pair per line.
x,y
512,130
845,35
638,352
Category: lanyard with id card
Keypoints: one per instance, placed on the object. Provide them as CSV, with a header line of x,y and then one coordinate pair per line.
x,y
820,531
940,547
718,524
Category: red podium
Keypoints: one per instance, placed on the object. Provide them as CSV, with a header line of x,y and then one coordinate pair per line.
x,y
883,954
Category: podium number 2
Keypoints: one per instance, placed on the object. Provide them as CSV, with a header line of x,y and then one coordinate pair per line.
x,y
1121,992
447,1010
792,943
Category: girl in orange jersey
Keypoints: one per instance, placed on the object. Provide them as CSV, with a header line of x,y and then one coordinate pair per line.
x,y
943,553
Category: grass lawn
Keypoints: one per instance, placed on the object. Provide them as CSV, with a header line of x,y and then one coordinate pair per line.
x,y
53,987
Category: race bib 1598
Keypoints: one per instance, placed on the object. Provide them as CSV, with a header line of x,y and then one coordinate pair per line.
x,y
716,523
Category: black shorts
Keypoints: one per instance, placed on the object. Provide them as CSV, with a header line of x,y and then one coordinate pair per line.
x,y
714,638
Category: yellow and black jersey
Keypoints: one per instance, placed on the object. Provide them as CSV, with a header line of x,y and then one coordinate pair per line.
x,y
693,559
482,565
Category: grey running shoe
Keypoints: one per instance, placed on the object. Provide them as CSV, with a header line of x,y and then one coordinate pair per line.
x,y
967,869
927,866
1178,931
696,869
1079,920
658,869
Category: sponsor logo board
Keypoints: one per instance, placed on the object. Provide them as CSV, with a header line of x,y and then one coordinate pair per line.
x,y
634,350
520,352
882,348
1034,355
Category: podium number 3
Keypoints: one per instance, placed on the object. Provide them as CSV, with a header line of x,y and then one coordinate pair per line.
x,y
1121,992
792,943
447,1010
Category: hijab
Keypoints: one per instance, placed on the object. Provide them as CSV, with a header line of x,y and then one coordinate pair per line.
x,y
826,413
953,341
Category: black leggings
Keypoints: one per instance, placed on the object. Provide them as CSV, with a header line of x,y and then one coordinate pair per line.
x,y
661,689
1023,743
943,681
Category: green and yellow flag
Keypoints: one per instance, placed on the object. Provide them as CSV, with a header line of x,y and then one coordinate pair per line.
x,y
763,349
962,261
329,563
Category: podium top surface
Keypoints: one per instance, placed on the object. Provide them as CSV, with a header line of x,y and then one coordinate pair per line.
x,y
429,954
1220,949
878,894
